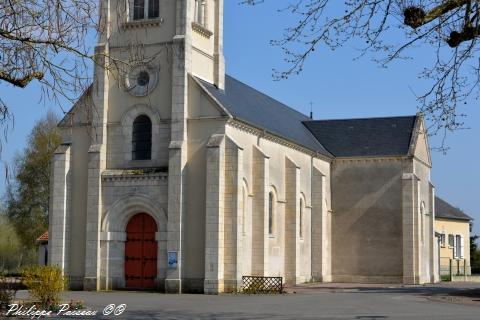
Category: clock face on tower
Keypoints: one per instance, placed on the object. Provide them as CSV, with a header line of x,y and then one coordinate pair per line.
x,y
140,80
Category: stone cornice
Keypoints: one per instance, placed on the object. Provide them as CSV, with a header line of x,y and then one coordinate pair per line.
x,y
145,174
248,128
144,23
198,28
379,158
370,158
212,118
146,44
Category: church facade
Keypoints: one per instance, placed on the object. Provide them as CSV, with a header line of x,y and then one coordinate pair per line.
x,y
177,177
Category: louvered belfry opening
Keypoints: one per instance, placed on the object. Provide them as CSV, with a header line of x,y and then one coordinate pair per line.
x,y
142,138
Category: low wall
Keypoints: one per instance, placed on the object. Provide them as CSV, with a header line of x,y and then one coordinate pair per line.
x,y
474,278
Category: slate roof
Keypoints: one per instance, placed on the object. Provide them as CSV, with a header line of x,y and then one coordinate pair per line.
x,y
333,138
445,210
259,110
365,137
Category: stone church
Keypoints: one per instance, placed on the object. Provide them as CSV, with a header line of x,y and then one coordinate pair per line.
x,y
176,177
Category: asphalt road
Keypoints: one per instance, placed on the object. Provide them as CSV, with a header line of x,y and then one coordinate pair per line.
x,y
307,303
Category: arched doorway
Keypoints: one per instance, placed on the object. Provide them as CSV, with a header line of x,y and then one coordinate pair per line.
x,y
141,252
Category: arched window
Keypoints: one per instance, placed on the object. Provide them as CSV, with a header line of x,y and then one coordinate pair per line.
x,y
270,213
244,211
142,138
300,218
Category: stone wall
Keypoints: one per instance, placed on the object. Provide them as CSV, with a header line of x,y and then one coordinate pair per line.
x,y
367,221
269,166
126,195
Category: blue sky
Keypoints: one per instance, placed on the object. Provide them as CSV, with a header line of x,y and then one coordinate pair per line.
x,y
338,86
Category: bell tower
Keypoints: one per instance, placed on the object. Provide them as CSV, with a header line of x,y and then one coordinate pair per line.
x,y
198,43
207,41
147,51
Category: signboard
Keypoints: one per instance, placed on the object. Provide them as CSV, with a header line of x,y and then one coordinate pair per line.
x,y
172,259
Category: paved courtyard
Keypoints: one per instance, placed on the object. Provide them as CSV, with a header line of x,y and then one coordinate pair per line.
x,y
309,302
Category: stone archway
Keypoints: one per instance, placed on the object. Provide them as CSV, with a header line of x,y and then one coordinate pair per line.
x,y
114,238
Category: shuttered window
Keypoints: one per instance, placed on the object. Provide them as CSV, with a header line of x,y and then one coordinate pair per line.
x,y
459,247
455,251
142,138
442,240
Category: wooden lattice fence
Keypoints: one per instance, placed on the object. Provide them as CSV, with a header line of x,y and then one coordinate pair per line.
x,y
262,285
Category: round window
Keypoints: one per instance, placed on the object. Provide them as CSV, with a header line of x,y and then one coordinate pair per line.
x,y
141,80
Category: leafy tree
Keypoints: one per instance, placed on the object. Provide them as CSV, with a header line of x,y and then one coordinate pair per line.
x,y
387,29
27,198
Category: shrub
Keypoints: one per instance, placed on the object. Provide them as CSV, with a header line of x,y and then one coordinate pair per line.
x,y
254,288
8,290
445,277
44,283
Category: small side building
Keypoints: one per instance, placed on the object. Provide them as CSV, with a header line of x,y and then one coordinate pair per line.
x,y
453,227
42,242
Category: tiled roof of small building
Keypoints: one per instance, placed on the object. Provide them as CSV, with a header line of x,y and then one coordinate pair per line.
x,y
367,137
445,210
43,237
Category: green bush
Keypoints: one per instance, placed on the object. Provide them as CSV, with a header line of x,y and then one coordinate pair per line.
x,y
445,277
254,288
44,283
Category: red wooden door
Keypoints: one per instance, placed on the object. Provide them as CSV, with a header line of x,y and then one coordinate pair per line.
x,y
141,252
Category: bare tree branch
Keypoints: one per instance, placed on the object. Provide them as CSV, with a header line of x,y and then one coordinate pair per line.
x,y
451,28
47,41
416,16
21,82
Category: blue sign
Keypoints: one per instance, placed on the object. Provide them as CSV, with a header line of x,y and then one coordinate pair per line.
x,y
172,259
